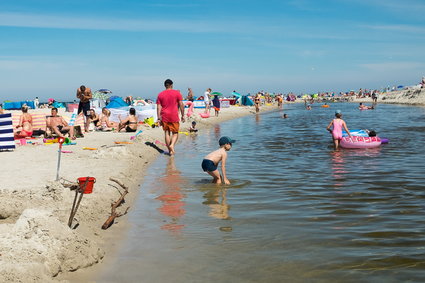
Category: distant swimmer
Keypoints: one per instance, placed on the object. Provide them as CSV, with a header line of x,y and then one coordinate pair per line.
x,y
364,107
211,161
285,116
337,125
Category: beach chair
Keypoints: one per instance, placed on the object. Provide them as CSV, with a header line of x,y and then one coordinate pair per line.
x,y
77,121
7,142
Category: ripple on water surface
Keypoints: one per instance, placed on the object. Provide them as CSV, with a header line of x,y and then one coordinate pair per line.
x,y
296,211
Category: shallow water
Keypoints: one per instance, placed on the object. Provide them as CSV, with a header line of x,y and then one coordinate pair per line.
x,y
296,211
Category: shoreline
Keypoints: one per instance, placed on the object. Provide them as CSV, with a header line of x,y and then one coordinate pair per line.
x,y
414,97
36,243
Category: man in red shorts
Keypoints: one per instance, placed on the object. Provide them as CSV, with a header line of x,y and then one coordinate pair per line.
x,y
168,103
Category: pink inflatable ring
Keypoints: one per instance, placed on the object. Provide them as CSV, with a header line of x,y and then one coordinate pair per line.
x,y
360,142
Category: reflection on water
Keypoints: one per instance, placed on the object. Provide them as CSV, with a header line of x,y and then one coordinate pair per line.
x,y
339,158
217,132
216,199
172,199
296,211
338,168
257,118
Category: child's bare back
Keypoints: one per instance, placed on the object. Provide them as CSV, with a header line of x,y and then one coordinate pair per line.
x,y
210,162
216,156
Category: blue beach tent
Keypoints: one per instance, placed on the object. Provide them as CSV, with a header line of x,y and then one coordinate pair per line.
x,y
116,102
18,105
247,101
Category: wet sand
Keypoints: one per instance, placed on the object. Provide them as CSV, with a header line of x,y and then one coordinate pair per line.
x,y
36,243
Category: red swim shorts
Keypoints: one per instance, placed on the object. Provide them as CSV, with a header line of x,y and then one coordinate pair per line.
x,y
171,126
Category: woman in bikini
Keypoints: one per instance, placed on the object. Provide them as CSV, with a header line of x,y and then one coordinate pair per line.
x,y
130,123
105,124
257,101
25,124
94,118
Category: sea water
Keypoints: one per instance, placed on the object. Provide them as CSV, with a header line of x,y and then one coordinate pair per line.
x,y
296,211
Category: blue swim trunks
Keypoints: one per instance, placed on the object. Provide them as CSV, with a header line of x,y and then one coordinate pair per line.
x,y
208,165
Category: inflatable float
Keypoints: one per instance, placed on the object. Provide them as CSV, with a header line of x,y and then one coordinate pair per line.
x,y
357,133
325,106
360,142
204,115
190,105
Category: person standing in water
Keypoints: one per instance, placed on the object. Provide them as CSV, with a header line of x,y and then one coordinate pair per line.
x,y
211,161
169,102
257,101
337,125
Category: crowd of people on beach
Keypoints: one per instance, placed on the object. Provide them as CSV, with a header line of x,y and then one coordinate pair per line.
x,y
56,125
170,113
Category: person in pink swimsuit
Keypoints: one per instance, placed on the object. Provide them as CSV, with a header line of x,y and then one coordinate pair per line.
x,y
337,125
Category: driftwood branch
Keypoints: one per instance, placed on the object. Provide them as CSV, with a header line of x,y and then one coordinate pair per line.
x,y
115,187
115,205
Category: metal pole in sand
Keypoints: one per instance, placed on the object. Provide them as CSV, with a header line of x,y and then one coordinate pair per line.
x,y
60,141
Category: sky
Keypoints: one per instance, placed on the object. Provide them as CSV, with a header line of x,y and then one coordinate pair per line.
x,y
49,48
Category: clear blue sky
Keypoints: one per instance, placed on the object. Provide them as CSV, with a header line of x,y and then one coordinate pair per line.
x,y
49,47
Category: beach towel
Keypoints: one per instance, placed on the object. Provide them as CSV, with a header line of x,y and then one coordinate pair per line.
x,y
7,141
73,117
38,120
77,120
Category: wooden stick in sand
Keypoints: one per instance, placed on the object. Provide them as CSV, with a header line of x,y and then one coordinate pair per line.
x,y
76,203
116,204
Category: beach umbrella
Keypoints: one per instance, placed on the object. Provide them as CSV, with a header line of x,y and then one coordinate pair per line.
x,y
104,90
216,93
100,95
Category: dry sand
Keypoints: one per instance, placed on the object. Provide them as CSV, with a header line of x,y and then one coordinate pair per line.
x,y
412,96
36,244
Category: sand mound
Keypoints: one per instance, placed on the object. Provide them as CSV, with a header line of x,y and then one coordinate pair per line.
x,y
46,247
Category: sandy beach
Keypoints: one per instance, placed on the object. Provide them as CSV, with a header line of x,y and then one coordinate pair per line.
x,y
36,242
411,96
